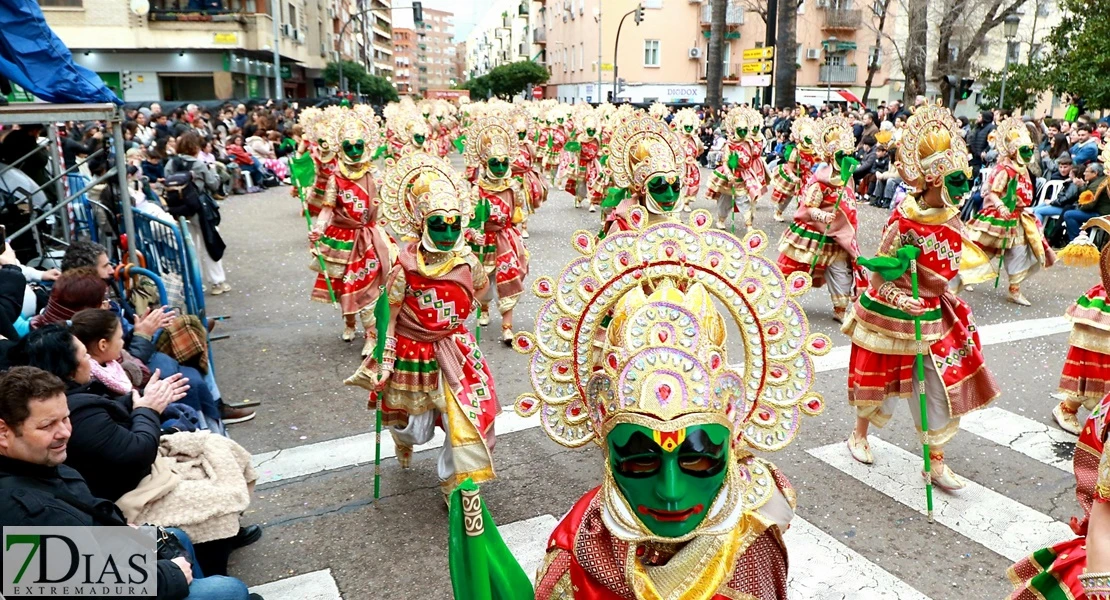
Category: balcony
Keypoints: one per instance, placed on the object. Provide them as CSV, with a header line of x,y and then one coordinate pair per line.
x,y
837,74
730,73
734,15
539,36
208,11
843,18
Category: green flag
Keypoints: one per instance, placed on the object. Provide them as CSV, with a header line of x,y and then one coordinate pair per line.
x,y
481,214
614,197
891,267
303,169
733,161
573,147
460,143
482,566
1010,199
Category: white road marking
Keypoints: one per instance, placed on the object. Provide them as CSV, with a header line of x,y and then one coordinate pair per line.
x,y
359,449
834,571
1031,438
984,516
317,585
527,540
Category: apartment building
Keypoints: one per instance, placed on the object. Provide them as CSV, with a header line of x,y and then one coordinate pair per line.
x,y
502,36
404,59
172,51
460,62
433,61
664,58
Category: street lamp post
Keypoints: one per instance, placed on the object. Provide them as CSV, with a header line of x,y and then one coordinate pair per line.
x,y
638,11
1009,27
276,17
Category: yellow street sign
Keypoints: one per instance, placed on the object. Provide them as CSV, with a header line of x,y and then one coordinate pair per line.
x,y
225,38
757,67
759,53
606,66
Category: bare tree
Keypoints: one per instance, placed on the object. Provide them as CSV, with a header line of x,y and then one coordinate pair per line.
x,y
786,48
758,7
961,14
715,70
873,62
917,43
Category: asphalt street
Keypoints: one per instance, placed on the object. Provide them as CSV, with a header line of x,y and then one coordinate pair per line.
x,y
861,532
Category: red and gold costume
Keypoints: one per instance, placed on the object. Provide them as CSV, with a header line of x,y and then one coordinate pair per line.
x,y
796,169
659,364
583,181
826,223
317,132
526,165
433,373
642,149
686,123
738,182
552,139
1003,227
358,253
1055,572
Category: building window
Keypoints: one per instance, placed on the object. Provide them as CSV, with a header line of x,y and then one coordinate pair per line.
x,y
874,56
653,3
62,3
651,53
582,56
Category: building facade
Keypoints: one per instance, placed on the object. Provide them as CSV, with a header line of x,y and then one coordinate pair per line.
x,y
664,58
503,35
404,59
433,64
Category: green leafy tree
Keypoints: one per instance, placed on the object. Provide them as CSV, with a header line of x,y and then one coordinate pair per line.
x,y
1079,55
377,89
479,87
1024,85
509,80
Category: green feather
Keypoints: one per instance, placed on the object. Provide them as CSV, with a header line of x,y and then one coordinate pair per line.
x,y
460,143
787,151
891,267
303,169
482,567
380,152
1010,199
573,147
381,324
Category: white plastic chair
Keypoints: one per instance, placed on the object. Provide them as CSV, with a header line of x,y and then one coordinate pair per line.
x,y
1049,192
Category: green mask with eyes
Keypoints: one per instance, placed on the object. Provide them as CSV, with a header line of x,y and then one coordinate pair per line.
x,y
956,186
498,166
354,150
664,194
591,132
443,231
419,139
669,479
689,128
520,135
742,132
561,120
1026,153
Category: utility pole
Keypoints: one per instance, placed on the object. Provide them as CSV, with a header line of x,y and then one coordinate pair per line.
x,y
599,52
639,12
275,6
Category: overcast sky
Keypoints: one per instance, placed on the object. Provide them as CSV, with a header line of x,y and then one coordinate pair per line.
x,y
466,15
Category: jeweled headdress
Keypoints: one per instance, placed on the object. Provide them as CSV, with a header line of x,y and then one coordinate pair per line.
x,y
742,116
641,148
834,134
631,332
802,129
1009,135
420,185
686,117
491,135
357,123
931,148
657,110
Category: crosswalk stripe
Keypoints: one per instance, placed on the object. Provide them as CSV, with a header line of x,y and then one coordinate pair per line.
x,y
834,571
527,540
1044,443
359,449
982,515
317,585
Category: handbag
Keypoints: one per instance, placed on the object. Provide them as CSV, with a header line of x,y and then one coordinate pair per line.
x,y
210,211
169,547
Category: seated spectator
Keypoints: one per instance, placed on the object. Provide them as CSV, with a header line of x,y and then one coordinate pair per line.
x,y
1066,200
153,168
1094,200
74,291
101,332
886,185
115,444
38,489
1085,148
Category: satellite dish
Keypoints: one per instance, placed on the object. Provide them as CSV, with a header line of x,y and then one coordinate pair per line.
x,y
140,7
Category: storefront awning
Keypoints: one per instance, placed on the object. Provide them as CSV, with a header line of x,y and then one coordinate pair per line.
x,y
838,45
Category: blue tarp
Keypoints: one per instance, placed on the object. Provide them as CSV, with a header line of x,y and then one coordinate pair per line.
x,y
35,59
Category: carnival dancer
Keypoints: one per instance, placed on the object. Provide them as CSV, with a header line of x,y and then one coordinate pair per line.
x,y
685,508
583,181
491,144
359,255
932,161
553,139
1003,229
1078,568
646,162
738,182
797,165
687,123
822,239
432,372
1086,376
525,167
317,131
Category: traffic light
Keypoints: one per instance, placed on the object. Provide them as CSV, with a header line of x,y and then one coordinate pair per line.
x,y
639,15
418,12
963,91
620,85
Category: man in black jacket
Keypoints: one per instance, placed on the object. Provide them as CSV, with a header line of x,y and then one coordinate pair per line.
x,y
977,141
37,489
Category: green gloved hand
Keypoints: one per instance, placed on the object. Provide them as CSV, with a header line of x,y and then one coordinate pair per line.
x,y
733,161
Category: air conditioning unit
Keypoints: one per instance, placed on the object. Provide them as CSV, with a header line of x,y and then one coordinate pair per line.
x,y
331,13
296,35
581,9
813,53
323,49
695,53
287,30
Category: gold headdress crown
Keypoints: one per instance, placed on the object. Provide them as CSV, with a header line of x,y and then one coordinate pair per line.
x,y
686,116
641,148
834,134
931,148
664,359
491,135
804,127
743,116
357,123
420,185
657,110
1009,135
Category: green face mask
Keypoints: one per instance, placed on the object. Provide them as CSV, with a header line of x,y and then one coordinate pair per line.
x,y
689,128
560,121
354,150
669,479
439,118
520,135
741,132
956,186
665,194
808,141
444,231
499,167
419,139
591,132
1026,153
